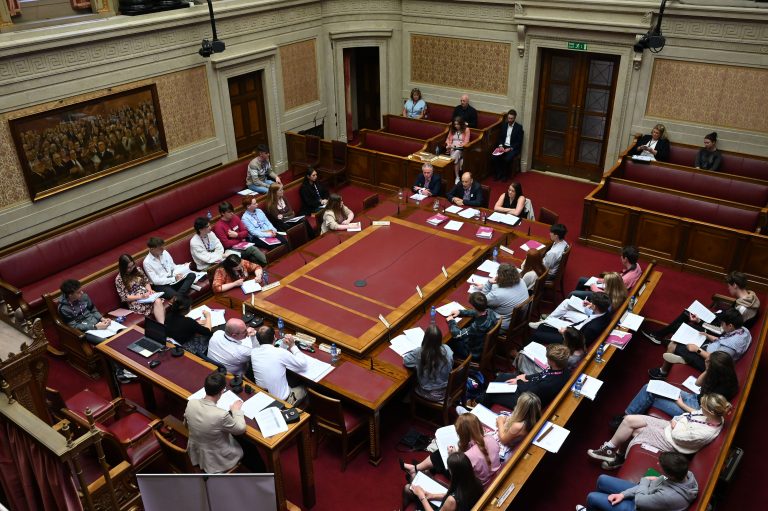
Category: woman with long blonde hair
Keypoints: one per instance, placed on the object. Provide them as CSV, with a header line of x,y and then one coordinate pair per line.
x,y
513,428
615,289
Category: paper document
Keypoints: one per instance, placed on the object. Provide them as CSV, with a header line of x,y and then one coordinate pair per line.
x,y
698,308
590,387
111,330
418,197
715,330
446,309
557,323
631,321
151,298
663,389
446,437
226,400
500,387
217,315
489,266
200,394
551,437
486,416
294,219
430,486
469,213
316,369
355,227
415,335
271,422
436,219
504,218
537,353
250,286
592,281
453,225
576,303
477,280
453,209
690,384
256,404
247,191
619,338
242,246
639,157
688,335
402,345
531,245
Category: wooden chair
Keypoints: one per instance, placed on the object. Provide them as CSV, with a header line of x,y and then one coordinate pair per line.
x,y
515,335
547,216
538,291
338,166
454,393
486,196
168,433
101,408
556,282
329,416
487,362
297,235
80,353
371,201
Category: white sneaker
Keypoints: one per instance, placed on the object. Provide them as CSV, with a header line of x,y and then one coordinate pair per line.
x,y
535,324
460,410
673,358
579,507
129,374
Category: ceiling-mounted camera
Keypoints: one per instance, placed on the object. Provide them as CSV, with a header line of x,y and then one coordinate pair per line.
x,y
652,40
207,47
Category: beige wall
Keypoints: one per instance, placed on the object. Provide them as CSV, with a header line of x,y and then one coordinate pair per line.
x,y
488,48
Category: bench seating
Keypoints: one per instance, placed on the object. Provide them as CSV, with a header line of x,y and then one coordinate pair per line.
x,y
415,128
389,143
721,186
444,114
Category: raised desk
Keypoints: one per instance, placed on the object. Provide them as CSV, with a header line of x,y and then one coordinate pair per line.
x,y
182,376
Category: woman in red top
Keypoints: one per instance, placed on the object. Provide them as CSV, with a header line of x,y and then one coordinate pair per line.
x,y
233,272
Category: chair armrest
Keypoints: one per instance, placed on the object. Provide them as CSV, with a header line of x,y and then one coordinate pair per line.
x,y
723,300
13,297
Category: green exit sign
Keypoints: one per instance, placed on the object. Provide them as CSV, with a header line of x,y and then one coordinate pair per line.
x,y
576,45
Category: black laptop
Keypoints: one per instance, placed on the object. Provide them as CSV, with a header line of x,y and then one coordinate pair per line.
x,y
153,340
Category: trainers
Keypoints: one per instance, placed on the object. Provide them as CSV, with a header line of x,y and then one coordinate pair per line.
x,y
656,374
460,410
651,337
129,374
121,377
673,358
579,507
535,324
604,453
613,465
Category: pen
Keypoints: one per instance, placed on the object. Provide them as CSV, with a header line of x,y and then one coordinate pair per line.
x,y
549,429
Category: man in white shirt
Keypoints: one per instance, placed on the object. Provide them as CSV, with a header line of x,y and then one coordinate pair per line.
x,y
205,247
161,270
553,256
232,347
270,363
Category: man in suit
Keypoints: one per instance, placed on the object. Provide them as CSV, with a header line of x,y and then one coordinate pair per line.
x,y
508,146
597,318
466,112
467,192
427,183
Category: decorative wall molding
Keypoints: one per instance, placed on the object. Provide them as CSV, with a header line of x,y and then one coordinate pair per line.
x,y
742,32
298,62
338,7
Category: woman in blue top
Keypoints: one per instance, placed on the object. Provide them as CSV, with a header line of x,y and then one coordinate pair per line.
x,y
433,362
415,107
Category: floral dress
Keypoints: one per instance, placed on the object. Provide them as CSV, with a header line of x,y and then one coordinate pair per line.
x,y
139,286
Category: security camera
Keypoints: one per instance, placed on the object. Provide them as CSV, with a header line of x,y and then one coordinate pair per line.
x,y
208,48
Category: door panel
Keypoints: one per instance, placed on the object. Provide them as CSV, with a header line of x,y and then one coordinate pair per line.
x,y
246,97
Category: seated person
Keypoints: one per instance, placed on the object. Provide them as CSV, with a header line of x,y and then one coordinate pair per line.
x,y
281,214
504,292
270,364
482,450
545,385
573,340
747,303
232,346
655,146
230,229
467,192
427,183
337,216
211,445
133,285
415,107
465,111
161,270
512,202
735,341
260,174
234,270
509,145
686,433
630,274
719,377
611,284
205,247
512,428
553,256
463,493
533,268
469,340
433,362
673,492
709,157
314,196
191,334
458,137
597,318
258,227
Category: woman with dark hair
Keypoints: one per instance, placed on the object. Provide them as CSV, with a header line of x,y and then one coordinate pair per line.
x,y
193,335
709,158
133,285
574,341
280,213
504,292
233,272
337,216
415,107
512,202
458,137
654,146
481,449
462,495
433,361
314,196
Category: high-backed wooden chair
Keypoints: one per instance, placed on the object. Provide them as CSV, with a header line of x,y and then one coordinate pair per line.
x,y
338,166
486,196
80,353
538,291
555,284
516,334
454,393
330,417
297,235
102,409
547,216
170,433
487,362
371,201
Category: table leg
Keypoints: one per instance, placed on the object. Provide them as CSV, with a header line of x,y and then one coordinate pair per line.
x,y
274,466
109,372
306,466
374,431
148,393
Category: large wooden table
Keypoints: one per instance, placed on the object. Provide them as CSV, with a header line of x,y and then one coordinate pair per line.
x,y
182,376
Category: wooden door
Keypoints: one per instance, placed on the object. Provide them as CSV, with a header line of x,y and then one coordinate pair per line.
x,y
576,93
368,99
246,96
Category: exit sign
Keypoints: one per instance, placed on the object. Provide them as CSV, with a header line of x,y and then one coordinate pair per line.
x,y
576,45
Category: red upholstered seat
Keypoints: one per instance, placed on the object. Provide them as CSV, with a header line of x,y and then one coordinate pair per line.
x,y
385,143
440,113
682,155
130,428
486,120
413,128
637,464
88,399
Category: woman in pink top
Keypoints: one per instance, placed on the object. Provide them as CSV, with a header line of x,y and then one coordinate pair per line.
x,y
481,449
458,137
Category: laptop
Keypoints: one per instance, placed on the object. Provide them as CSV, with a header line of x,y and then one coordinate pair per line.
x,y
153,340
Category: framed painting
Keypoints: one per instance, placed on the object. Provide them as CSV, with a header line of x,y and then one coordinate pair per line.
x,y
66,147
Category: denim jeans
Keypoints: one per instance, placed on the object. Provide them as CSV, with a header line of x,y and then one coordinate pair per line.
x,y
261,189
644,400
607,485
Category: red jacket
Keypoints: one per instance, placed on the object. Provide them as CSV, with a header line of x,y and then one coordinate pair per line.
x,y
221,228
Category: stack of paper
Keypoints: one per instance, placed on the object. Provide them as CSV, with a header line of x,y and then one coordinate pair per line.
x,y
454,225
486,416
663,389
437,219
631,321
531,245
316,369
256,404
537,353
271,422
453,209
469,213
111,330
590,386
217,315
551,437
687,335
250,286
445,310
402,345
504,218
490,267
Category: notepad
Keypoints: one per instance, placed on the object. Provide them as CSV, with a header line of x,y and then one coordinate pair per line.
x,y
690,384
537,353
271,422
446,437
500,387
688,335
531,245
590,387
355,227
111,330
631,321
551,437
477,280
576,304
247,191
663,389
453,209
489,266
250,286
150,299
486,416
698,309
429,485
445,310
592,281
453,225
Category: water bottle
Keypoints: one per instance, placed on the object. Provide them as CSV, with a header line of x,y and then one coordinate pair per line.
x,y
495,254
632,302
400,195
264,277
482,217
578,385
334,353
120,319
280,325
209,215
600,351
436,205
432,315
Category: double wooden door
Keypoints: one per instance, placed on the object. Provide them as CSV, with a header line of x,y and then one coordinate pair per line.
x,y
576,92
246,97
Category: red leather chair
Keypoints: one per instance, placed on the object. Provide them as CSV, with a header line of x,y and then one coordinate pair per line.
x,y
329,416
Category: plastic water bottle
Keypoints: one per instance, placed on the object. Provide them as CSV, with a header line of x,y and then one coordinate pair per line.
x,y
334,353
120,319
495,254
600,351
436,205
400,195
482,217
209,215
280,326
264,277
432,315
632,303
578,385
